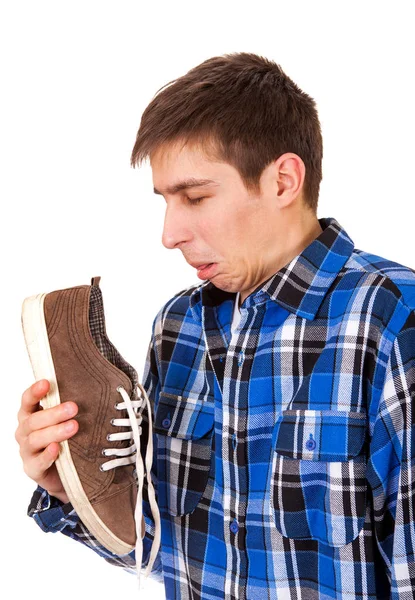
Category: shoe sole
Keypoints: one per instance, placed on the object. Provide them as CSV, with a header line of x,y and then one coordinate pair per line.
x,y
38,348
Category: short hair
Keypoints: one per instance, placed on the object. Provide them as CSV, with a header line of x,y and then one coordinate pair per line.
x,y
242,109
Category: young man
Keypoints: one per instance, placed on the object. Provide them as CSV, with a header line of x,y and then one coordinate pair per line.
x,y
283,385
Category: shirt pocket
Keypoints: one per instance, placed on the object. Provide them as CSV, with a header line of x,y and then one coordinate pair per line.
x,y
185,429
318,475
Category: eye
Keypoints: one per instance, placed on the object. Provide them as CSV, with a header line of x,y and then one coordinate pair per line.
x,y
195,200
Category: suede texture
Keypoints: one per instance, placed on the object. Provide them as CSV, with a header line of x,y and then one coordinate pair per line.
x,y
87,378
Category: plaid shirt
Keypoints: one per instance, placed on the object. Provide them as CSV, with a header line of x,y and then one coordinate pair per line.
x,y
284,453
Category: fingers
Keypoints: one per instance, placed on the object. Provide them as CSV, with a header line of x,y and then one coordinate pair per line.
x,y
36,467
32,396
41,448
38,440
46,418
40,432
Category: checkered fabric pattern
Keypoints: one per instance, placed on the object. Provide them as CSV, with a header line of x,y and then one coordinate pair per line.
x,y
285,453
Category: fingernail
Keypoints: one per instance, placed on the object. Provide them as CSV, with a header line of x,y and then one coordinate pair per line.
x,y
69,426
68,408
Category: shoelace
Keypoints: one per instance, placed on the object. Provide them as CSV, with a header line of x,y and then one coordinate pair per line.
x,y
130,455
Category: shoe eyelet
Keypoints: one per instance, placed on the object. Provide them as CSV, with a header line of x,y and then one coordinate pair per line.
x,y
119,388
112,421
101,469
109,437
104,452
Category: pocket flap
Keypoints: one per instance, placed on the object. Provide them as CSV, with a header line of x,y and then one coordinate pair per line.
x,y
183,417
325,435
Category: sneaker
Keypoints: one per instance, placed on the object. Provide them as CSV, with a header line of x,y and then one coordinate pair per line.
x,y
100,467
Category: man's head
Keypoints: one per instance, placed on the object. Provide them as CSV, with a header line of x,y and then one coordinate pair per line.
x,y
241,125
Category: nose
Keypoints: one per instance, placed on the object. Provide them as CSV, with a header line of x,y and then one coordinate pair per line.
x,y
176,227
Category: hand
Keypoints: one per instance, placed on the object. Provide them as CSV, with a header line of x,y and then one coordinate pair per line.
x,y
38,435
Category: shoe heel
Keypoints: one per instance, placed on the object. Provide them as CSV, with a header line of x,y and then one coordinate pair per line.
x,y
37,344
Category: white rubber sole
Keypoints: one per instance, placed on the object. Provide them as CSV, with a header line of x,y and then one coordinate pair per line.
x,y
37,344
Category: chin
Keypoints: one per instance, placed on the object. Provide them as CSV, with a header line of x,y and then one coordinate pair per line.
x,y
223,284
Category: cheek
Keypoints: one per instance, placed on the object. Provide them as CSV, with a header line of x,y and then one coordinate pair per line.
x,y
244,228
226,229
214,225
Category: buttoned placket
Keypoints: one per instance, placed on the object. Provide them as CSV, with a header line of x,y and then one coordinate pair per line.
x,y
227,351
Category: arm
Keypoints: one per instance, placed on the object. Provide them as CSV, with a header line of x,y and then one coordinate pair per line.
x,y
391,467
53,515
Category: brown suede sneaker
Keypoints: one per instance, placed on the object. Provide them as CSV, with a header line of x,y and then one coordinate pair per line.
x,y
67,343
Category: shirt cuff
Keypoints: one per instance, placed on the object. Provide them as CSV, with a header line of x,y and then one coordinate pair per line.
x,y
51,514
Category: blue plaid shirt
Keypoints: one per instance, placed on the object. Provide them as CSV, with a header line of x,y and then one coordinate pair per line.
x,y
284,453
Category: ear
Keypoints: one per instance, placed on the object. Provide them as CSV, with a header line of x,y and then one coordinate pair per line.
x,y
289,171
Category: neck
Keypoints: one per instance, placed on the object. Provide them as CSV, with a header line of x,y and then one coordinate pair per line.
x,y
296,240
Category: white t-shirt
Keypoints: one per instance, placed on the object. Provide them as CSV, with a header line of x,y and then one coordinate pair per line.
x,y
236,313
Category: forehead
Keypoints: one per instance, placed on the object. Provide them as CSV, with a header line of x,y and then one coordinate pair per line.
x,y
173,164
176,155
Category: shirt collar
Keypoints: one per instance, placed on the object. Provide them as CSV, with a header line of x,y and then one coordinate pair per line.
x,y
301,285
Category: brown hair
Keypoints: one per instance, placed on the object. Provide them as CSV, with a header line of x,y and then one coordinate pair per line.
x,y
241,109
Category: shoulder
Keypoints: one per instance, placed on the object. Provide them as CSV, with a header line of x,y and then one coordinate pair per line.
x,y
394,281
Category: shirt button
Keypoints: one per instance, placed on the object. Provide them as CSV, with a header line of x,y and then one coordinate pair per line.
x,y
166,423
311,443
234,441
234,526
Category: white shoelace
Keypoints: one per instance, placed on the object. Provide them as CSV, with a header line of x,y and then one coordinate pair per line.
x,y
130,455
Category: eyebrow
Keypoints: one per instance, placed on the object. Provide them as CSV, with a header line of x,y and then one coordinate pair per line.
x,y
186,184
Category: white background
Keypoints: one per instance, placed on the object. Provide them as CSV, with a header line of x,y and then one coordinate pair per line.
x,y
75,78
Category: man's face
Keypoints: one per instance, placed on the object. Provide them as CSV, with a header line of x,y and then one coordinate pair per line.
x,y
229,227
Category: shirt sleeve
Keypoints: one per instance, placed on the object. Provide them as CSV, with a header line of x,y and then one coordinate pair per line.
x,y
391,467
52,515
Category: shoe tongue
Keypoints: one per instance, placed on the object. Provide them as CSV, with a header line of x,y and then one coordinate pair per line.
x,y
95,281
